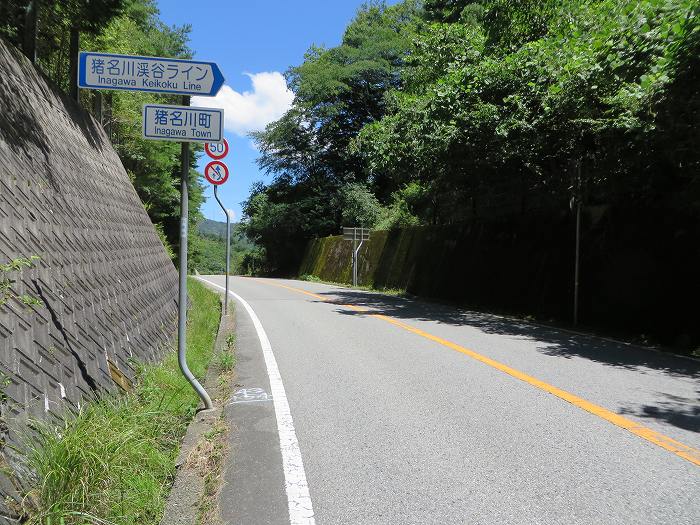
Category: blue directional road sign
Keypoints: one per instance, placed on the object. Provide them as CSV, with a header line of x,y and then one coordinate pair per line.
x,y
160,75
182,123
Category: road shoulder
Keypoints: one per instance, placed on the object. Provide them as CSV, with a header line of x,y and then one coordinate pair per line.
x,y
193,498
254,484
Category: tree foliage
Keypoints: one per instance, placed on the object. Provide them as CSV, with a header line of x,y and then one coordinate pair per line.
x,y
337,92
211,239
131,27
458,108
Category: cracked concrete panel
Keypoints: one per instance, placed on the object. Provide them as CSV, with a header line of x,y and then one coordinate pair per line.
x,y
108,290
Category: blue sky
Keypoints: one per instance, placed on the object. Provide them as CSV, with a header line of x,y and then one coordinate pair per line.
x,y
253,42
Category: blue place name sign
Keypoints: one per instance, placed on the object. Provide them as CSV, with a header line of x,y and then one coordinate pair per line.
x,y
182,123
159,75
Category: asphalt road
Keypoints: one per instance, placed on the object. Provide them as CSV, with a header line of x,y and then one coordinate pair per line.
x,y
402,419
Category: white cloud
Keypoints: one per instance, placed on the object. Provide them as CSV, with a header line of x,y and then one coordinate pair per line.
x,y
251,110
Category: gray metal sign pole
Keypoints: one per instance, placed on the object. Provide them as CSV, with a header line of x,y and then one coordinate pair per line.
x,y
351,234
84,68
182,297
228,251
228,246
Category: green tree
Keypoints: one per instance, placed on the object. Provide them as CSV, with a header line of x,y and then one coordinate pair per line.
x,y
451,10
337,92
461,109
495,112
359,206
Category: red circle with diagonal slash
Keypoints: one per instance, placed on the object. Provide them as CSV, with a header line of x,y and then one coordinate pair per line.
x,y
212,149
216,172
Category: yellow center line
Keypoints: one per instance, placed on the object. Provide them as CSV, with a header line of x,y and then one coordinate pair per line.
x,y
684,451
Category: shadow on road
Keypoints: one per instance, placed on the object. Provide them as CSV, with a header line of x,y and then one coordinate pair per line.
x,y
677,411
680,412
558,343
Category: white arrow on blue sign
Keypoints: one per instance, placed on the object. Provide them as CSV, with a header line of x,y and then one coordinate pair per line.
x,y
160,75
182,123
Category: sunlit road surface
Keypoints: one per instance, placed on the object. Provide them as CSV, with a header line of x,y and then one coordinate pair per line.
x,y
406,412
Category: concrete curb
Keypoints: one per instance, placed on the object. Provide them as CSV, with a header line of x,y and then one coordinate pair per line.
x,y
182,507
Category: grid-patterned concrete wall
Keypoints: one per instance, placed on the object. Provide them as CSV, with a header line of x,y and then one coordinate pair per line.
x,y
107,287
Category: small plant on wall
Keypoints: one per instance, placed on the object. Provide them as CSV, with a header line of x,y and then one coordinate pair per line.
x,y
6,293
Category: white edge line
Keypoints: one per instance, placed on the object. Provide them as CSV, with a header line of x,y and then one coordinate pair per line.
x,y
301,510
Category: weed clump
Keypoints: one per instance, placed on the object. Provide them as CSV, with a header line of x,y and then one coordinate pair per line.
x,y
114,461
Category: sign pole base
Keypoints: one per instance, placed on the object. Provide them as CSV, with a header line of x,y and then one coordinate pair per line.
x,y
228,246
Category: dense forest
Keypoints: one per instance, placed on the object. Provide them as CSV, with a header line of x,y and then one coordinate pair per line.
x,y
212,245
443,111
431,112
128,27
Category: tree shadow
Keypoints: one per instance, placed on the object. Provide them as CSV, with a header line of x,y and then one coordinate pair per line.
x,y
677,411
24,123
556,342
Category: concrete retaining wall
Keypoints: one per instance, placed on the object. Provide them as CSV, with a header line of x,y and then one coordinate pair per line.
x,y
105,283
638,267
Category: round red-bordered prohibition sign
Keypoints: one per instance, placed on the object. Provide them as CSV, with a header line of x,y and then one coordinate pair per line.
x,y
216,150
216,172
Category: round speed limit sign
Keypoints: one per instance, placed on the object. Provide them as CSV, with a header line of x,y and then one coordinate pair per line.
x,y
216,150
216,172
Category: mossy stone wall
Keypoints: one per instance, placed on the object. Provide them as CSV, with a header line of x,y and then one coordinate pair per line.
x,y
640,267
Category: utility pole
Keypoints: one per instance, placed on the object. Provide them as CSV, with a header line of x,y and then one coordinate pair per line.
x,y
30,29
578,198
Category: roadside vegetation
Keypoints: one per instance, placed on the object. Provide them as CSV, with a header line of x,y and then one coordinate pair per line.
x,y
442,112
131,27
209,454
211,240
15,266
387,291
114,461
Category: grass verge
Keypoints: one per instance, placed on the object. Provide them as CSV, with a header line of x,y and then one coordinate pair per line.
x,y
207,459
114,462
